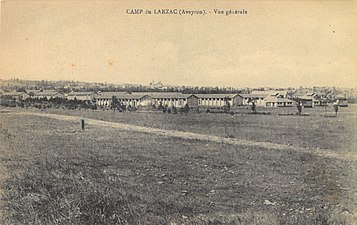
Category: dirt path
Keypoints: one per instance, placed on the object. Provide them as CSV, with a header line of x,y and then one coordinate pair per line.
x,y
201,137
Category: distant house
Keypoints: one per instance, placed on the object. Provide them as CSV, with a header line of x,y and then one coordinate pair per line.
x,y
49,94
192,101
308,100
217,100
247,99
83,96
15,96
342,101
276,101
320,101
305,98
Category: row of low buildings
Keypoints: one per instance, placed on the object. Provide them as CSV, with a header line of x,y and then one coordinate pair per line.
x,y
178,99
49,94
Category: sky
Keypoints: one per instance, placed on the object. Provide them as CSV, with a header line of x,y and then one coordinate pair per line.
x,y
276,44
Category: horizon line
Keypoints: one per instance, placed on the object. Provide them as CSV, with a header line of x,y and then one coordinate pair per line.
x,y
180,85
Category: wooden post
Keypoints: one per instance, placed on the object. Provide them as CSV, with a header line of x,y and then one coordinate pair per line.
x,y
82,123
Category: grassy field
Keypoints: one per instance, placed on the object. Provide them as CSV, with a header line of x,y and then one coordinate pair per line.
x,y
54,173
312,131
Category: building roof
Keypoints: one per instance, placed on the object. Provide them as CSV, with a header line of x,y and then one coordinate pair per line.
x,y
162,94
33,91
133,96
13,93
46,92
276,99
111,94
253,95
319,97
215,95
168,95
304,95
341,97
80,93
270,92
138,95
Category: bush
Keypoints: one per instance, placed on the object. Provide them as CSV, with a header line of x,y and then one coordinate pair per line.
x,y
174,110
186,109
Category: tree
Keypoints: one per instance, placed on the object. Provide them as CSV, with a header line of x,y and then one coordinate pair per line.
x,y
21,104
129,108
186,109
160,107
299,107
335,107
227,105
253,105
174,109
115,102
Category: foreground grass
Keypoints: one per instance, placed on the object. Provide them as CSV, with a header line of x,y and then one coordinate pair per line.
x,y
58,174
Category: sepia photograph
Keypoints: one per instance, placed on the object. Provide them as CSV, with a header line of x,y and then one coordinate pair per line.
x,y
178,112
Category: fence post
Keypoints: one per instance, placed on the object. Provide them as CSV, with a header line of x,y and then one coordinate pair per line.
x,y
82,123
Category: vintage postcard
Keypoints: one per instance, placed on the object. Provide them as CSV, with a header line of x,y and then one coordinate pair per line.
x,y
178,112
